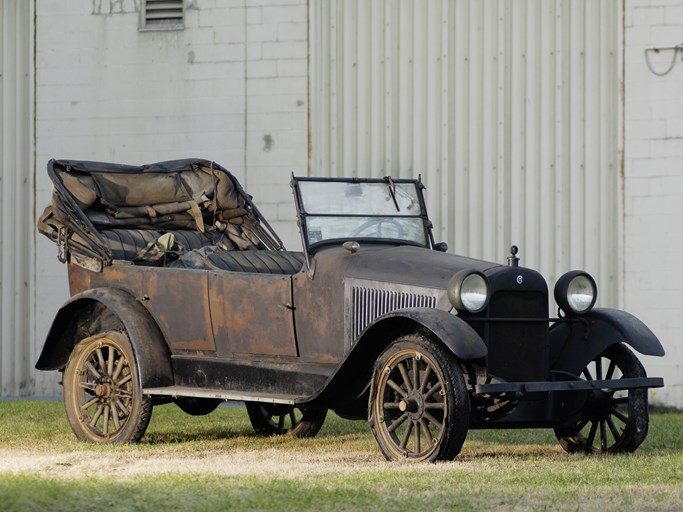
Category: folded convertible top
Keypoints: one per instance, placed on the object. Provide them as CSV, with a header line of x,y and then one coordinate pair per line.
x,y
90,198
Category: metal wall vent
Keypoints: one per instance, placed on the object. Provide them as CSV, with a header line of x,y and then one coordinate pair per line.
x,y
371,303
163,14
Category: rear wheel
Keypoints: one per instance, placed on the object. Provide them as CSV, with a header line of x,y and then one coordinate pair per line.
x,y
102,395
419,407
280,419
612,421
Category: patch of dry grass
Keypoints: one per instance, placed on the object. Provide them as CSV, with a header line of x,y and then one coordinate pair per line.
x,y
216,462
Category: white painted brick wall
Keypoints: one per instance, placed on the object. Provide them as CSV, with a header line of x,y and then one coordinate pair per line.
x,y
653,185
277,117
231,86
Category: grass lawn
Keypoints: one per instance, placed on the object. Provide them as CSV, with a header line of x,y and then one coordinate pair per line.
x,y
216,462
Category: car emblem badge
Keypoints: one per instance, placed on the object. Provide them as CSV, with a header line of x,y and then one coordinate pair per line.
x,y
520,279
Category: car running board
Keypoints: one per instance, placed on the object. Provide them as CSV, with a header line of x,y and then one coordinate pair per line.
x,y
181,391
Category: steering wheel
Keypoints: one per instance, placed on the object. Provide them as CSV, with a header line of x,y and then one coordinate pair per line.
x,y
376,224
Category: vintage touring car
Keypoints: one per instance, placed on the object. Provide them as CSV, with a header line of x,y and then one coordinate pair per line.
x,y
181,291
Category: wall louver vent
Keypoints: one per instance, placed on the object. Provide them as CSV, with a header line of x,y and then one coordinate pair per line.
x,y
159,14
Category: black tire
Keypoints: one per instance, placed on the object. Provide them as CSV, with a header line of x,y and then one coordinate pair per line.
x,y
102,395
197,406
280,419
611,422
419,407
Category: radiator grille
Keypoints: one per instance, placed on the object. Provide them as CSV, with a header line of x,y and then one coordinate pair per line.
x,y
371,303
518,351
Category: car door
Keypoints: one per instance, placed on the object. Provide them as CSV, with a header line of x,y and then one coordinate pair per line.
x,y
252,314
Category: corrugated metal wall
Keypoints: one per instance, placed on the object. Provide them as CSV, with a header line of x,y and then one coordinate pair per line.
x,y
16,217
508,109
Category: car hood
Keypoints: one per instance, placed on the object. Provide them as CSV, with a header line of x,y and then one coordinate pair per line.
x,y
406,265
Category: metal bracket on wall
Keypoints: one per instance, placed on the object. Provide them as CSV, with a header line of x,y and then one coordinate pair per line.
x,y
659,49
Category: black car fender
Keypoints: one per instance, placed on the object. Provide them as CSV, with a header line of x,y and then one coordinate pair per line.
x,y
576,343
455,333
354,373
100,309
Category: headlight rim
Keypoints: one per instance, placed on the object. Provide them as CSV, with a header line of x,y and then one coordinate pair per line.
x,y
561,292
455,289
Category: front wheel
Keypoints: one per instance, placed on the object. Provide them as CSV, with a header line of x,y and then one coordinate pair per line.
x,y
419,407
612,421
280,419
102,395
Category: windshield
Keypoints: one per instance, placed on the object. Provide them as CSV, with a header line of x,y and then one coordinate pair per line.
x,y
355,210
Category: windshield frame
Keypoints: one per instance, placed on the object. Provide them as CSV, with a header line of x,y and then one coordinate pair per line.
x,y
303,215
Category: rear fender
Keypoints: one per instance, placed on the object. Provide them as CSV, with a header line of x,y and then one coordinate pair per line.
x,y
574,345
100,309
353,375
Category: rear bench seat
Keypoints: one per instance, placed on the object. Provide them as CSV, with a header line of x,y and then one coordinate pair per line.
x,y
125,244
201,253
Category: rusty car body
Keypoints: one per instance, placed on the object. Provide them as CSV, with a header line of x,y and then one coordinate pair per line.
x,y
181,291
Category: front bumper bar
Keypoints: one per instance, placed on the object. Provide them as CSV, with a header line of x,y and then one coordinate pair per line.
x,y
570,385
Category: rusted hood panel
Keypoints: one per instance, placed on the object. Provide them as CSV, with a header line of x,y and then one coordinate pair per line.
x,y
406,265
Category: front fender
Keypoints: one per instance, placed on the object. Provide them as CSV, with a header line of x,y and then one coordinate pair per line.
x,y
353,374
100,309
452,331
574,345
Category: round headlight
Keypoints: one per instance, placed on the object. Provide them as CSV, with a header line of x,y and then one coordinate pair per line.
x,y
469,290
576,292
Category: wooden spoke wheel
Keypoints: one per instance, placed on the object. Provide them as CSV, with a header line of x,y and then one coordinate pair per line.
x,y
419,407
280,419
612,421
102,395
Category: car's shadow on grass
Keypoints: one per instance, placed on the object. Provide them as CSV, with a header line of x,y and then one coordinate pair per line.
x,y
515,452
230,424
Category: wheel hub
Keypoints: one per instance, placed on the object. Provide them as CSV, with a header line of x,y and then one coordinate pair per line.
x,y
598,405
102,390
408,405
413,404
